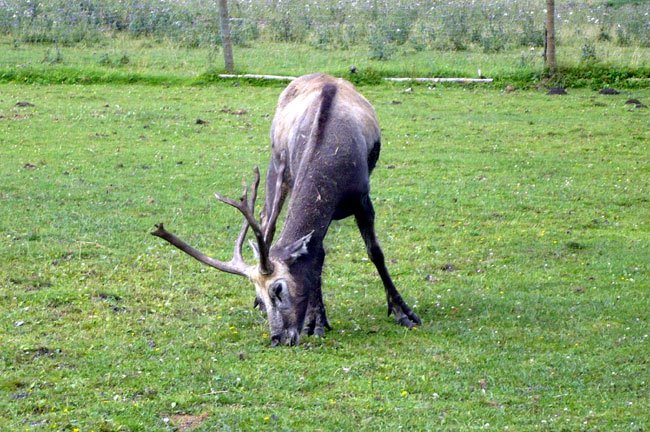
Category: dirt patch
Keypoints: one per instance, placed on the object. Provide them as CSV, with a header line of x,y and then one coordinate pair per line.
x,y
186,422
449,267
608,91
119,309
237,112
108,296
67,256
556,91
113,301
31,283
636,103
431,279
19,395
32,354
575,246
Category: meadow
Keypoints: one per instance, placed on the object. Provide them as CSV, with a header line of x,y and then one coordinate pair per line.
x,y
515,222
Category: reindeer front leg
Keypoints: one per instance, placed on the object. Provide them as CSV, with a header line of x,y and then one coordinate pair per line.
x,y
316,319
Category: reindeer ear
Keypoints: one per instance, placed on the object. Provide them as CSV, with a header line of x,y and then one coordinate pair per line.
x,y
296,249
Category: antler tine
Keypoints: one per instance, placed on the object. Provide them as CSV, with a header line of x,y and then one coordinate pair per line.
x,y
244,229
246,209
269,229
237,252
235,266
256,184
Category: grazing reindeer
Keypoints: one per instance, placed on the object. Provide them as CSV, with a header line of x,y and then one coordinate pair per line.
x,y
325,142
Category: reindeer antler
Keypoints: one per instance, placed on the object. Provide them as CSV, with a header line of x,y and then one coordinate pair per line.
x,y
248,210
264,235
237,253
234,266
269,228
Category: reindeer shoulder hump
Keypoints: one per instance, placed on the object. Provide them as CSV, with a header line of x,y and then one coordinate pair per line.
x,y
328,93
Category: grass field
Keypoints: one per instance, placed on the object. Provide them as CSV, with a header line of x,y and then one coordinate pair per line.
x,y
516,223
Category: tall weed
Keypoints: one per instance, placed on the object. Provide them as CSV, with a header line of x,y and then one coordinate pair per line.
x,y
382,25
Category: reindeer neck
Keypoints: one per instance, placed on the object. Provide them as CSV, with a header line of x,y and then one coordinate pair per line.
x,y
311,206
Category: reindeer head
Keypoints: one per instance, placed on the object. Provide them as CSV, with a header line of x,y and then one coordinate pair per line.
x,y
276,290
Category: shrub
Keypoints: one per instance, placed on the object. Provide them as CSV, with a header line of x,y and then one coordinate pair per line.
x,y
53,56
382,24
529,58
366,76
633,25
455,30
105,60
124,60
494,40
380,45
422,35
588,52
321,37
532,30
243,31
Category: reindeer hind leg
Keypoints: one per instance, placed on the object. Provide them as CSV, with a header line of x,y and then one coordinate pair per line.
x,y
365,217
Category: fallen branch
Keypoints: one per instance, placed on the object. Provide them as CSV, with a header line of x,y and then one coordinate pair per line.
x,y
439,80
253,76
433,80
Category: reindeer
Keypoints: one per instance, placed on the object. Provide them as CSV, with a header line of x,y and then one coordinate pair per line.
x,y
325,143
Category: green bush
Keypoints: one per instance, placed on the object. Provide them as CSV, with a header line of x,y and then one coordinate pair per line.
x,y
588,52
455,25
53,56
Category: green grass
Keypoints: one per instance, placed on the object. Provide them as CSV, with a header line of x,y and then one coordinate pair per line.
x,y
538,204
126,60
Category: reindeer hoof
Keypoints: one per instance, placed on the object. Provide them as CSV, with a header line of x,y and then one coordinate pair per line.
x,y
406,322
276,340
319,332
316,329
414,318
287,337
316,321
405,316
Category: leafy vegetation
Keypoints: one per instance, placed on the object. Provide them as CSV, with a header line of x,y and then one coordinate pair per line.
x,y
457,25
517,223
178,42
